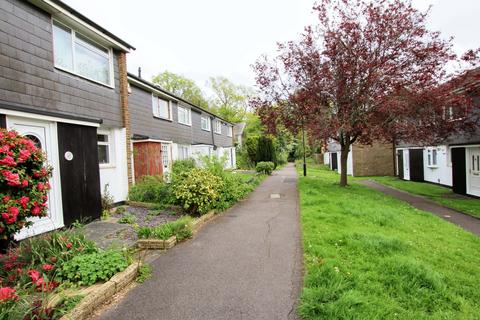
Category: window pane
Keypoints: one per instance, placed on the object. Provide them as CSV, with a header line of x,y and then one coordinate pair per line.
x,y
102,137
62,39
91,61
163,109
103,155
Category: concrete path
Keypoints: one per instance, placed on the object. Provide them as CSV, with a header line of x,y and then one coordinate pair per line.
x,y
462,220
246,264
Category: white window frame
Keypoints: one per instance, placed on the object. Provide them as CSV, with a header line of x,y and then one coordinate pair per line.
x,y
217,127
208,122
110,145
432,154
229,131
189,115
156,108
73,32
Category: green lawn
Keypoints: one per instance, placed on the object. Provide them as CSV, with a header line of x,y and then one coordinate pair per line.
x,y
437,193
369,256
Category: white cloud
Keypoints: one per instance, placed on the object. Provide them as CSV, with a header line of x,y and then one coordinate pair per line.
x,y
206,38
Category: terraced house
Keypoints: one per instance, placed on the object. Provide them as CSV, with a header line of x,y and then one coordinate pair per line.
x,y
166,128
63,83
453,163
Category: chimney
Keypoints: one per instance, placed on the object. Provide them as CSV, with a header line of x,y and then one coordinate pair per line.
x,y
139,72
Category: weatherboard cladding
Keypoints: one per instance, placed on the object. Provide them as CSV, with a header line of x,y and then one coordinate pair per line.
x,y
143,123
28,77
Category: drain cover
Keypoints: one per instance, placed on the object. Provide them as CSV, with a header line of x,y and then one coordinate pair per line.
x,y
274,196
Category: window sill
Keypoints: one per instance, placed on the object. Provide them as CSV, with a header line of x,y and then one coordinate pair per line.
x,y
208,130
219,133
162,118
432,167
185,124
71,73
107,166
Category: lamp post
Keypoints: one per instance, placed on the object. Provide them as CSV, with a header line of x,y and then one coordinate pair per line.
x,y
304,153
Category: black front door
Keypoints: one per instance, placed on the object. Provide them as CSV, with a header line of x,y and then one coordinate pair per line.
x,y
400,164
334,161
416,165
459,171
79,171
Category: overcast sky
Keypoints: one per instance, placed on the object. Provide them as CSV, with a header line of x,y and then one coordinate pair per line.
x,y
207,38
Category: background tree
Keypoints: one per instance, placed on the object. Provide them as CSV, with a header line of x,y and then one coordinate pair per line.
x,y
265,150
368,70
230,101
182,87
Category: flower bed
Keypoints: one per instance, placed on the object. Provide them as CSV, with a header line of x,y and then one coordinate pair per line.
x,y
45,266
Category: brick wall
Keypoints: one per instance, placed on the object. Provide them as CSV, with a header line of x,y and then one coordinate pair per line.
x,y
123,83
374,160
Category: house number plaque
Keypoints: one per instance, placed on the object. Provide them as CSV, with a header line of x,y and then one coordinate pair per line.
x,y
68,156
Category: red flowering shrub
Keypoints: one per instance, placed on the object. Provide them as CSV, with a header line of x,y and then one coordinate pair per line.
x,y
23,182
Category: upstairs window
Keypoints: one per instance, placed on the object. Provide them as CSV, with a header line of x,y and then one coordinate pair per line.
x,y
206,123
218,127
75,53
230,131
432,157
184,116
161,108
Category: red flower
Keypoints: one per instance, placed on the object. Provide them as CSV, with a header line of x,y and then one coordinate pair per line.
x,y
40,186
7,293
9,161
69,245
25,183
24,202
13,179
6,199
34,275
5,148
36,210
24,155
48,267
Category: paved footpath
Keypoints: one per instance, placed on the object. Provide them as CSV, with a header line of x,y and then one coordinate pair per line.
x,y
462,220
246,264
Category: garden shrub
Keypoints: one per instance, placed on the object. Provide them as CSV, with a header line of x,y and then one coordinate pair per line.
x,y
265,167
234,189
181,228
87,269
127,218
24,183
198,191
214,164
180,167
151,189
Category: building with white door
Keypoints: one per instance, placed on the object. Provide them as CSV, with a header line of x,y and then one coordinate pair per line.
x,y
63,84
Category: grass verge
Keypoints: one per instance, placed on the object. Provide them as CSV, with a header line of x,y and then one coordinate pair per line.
x,y
369,256
439,194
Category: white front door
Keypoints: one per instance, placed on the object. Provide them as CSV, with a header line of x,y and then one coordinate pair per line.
x,y
473,167
43,133
166,159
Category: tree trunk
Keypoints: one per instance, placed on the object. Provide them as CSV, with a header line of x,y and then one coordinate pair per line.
x,y
343,165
